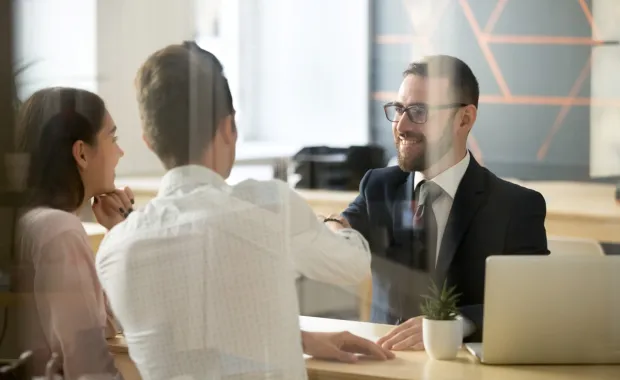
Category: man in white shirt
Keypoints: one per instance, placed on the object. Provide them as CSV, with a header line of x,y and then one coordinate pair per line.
x,y
202,278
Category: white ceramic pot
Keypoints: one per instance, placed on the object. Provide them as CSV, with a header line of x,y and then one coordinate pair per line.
x,y
442,339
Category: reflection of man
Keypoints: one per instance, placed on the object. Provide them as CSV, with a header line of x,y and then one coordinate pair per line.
x,y
474,214
202,278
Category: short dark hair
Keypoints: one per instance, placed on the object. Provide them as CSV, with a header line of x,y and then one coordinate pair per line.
x,y
48,124
183,96
463,80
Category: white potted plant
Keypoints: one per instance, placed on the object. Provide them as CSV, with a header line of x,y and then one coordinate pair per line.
x,y
442,331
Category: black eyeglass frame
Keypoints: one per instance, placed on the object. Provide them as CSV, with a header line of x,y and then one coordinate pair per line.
x,y
407,110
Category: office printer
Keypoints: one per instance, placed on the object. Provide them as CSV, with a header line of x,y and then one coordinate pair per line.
x,y
322,167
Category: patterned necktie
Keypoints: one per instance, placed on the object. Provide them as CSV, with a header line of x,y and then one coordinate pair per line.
x,y
425,226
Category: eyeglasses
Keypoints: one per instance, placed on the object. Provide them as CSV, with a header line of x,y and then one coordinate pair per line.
x,y
417,113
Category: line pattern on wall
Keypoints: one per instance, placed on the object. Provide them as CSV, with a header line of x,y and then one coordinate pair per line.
x,y
485,38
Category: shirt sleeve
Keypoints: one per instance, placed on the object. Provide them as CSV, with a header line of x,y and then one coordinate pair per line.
x,y
341,258
72,305
113,327
468,326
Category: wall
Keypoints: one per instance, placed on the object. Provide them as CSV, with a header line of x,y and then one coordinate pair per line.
x,y
605,84
299,70
310,84
127,33
61,47
99,48
531,58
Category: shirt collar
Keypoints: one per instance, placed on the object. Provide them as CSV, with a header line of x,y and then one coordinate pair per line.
x,y
189,176
449,179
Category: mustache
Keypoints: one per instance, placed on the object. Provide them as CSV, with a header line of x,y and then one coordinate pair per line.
x,y
413,135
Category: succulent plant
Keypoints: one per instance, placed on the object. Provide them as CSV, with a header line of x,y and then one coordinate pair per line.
x,y
440,305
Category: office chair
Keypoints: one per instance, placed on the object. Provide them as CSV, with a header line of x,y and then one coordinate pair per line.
x,y
565,246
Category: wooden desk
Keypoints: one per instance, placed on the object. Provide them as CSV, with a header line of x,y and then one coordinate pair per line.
x,y
586,210
574,209
95,233
325,202
407,365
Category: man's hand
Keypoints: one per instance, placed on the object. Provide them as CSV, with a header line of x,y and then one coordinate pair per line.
x,y
112,208
341,346
407,335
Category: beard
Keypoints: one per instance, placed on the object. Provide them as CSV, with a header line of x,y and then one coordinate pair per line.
x,y
428,154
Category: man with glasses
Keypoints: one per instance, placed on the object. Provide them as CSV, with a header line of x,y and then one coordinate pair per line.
x,y
438,215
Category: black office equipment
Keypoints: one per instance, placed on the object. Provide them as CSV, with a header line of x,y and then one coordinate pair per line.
x,y
322,167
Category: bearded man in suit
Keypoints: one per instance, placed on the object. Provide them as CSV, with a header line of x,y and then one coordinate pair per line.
x,y
438,214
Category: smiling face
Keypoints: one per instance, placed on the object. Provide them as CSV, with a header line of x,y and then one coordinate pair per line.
x,y
436,128
97,162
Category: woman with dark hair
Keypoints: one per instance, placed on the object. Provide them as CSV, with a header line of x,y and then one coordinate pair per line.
x,y
70,141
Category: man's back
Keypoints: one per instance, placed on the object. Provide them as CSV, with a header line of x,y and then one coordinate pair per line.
x,y
203,283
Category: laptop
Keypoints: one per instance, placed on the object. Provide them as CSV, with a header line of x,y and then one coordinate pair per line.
x,y
551,310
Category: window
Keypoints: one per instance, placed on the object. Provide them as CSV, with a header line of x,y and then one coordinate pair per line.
x,y
305,71
220,35
46,37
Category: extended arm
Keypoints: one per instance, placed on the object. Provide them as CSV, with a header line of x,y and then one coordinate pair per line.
x,y
340,258
357,212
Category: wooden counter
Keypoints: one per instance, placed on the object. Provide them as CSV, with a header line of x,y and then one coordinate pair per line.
x,y
408,365
95,233
574,209
585,210
326,202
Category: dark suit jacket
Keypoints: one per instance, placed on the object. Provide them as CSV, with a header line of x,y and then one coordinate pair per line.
x,y
489,216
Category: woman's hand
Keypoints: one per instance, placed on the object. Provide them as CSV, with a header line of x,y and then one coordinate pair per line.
x,y
112,208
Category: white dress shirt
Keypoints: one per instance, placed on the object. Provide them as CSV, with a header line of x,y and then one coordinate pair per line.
x,y
449,181
202,278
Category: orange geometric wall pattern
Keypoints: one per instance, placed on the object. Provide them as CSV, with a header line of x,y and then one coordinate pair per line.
x,y
427,17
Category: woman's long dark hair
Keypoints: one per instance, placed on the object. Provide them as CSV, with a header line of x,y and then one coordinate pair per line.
x,y
48,125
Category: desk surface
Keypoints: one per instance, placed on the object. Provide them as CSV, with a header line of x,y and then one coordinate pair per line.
x,y
94,228
589,200
585,210
410,365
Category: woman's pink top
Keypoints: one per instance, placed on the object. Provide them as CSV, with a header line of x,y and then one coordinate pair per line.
x,y
63,308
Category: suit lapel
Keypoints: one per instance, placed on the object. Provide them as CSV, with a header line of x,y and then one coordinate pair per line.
x,y
467,201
